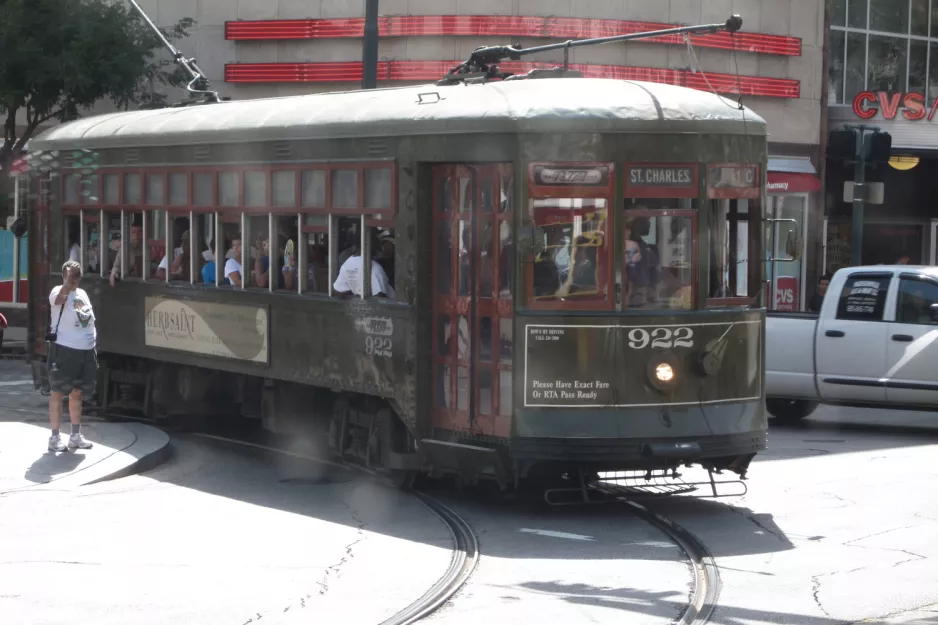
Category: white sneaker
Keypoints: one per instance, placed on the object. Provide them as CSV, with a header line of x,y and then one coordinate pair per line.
x,y
78,441
56,444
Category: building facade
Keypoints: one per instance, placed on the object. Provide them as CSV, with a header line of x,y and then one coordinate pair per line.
x,y
883,72
264,48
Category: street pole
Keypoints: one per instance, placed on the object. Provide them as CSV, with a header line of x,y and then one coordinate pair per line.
x,y
370,46
859,177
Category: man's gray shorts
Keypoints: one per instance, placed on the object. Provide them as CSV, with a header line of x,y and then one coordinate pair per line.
x,y
71,369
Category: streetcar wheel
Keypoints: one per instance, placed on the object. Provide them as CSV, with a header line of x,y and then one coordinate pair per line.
x,y
790,410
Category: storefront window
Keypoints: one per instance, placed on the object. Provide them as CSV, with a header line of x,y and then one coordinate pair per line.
x,y
856,13
784,245
883,45
887,60
835,74
919,21
891,16
839,13
855,79
918,66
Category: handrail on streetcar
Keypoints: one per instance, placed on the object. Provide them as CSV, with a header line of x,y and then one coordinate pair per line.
x,y
199,85
482,63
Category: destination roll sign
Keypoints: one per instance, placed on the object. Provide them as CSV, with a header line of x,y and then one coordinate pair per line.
x,y
661,180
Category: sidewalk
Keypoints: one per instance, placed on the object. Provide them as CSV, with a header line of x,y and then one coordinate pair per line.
x,y
120,449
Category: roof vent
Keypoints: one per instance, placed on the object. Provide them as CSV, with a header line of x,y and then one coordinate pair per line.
x,y
202,152
283,149
377,147
132,155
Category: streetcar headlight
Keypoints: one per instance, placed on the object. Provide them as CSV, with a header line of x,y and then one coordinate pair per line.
x,y
664,372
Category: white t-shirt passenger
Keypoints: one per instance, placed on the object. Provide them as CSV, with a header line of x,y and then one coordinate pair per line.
x,y
76,330
232,266
350,278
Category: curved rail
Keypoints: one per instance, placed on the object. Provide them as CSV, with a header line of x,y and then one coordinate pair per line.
x,y
466,557
706,590
465,549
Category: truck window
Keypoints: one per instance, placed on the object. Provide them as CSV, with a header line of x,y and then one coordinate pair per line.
x,y
863,297
916,297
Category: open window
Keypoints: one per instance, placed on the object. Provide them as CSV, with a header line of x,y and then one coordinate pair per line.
x,y
734,218
569,266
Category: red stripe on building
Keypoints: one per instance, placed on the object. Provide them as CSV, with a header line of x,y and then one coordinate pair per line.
x,y
425,71
501,26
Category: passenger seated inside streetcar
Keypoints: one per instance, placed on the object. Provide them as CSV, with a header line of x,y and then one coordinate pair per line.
x,y
261,271
233,265
208,269
349,281
134,254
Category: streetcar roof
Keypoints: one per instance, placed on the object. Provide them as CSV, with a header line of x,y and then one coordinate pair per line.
x,y
516,106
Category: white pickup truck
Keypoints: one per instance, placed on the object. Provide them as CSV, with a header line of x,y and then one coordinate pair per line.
x,y
874,343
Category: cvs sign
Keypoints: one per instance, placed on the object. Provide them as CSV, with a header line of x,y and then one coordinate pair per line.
x,y
910,106
786,294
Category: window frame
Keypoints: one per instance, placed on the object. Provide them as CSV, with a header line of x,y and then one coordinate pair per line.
x,y
602,191
693,214
930,38
238,213
866,275
911,277
754,193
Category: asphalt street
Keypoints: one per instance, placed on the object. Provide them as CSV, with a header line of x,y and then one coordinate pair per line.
x,y
840,525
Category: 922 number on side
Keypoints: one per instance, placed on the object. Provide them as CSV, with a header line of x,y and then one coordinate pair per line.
x,y
664,338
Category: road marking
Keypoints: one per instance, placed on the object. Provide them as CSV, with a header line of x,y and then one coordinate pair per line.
x,y
552,534
15,382
650,543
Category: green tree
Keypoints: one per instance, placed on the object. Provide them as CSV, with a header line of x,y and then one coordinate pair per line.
x,y
60,57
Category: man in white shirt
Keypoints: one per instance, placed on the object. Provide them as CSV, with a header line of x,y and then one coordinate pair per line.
x,y
350,282
233,264
73,362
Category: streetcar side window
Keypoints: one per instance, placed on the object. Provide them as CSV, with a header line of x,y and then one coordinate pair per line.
x,y
314,255
91,242
659,243
156,244
257,273
287,234
572,265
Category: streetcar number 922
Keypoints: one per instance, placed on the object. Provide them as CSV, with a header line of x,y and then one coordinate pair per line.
x,y
664,338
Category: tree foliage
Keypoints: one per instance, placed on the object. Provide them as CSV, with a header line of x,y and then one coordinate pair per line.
x,y
58,57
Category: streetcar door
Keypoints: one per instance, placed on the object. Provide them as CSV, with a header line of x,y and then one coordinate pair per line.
x,y
472,298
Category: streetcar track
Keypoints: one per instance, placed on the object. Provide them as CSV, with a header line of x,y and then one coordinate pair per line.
x,y
705,573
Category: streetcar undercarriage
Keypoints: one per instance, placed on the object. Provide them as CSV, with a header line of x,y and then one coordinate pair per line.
x,y
366,431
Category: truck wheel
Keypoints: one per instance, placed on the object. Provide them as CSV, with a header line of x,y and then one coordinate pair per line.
x,y
790,410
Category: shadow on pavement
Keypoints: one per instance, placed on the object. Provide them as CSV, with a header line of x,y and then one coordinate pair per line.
x,y
50,464
655,604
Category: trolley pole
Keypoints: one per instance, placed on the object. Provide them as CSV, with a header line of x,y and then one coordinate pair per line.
x,y
370,46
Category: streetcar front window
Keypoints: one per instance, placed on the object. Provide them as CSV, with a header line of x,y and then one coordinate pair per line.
x,y
658,250
573,262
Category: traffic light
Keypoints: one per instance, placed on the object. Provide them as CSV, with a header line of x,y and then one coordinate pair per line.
x,y
879,147
842,146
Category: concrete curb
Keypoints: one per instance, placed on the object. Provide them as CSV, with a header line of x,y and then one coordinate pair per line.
x,y
148,448
162,451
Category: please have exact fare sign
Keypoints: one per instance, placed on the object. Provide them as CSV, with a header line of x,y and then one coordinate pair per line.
x,y
561,368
